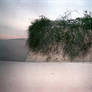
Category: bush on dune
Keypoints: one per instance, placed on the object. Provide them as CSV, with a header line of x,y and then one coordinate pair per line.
x,y
72,36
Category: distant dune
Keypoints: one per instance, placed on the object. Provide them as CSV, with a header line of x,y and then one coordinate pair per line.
x,y
13,50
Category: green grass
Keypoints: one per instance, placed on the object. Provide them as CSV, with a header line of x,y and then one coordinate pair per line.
x,y
72,36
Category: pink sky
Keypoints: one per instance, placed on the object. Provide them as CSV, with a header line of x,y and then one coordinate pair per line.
x,y
5,36
16,15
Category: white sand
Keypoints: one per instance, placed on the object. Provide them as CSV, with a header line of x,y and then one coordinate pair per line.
x,y
45,77
58,58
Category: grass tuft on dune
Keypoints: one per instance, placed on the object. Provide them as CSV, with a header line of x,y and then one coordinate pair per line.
x,y
73,37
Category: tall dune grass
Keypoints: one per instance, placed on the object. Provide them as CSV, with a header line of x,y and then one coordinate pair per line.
x,y
72,36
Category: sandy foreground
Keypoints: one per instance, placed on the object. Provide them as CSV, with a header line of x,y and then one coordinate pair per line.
x,y
45,77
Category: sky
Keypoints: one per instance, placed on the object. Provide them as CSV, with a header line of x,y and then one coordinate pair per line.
x,y
17,15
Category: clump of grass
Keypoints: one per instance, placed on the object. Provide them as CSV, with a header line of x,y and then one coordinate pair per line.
x,y
43,36
72,36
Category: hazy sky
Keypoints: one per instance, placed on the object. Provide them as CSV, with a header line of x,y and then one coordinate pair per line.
x,y
16,15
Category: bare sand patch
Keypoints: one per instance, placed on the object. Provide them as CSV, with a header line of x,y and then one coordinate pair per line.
x,y
31,57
